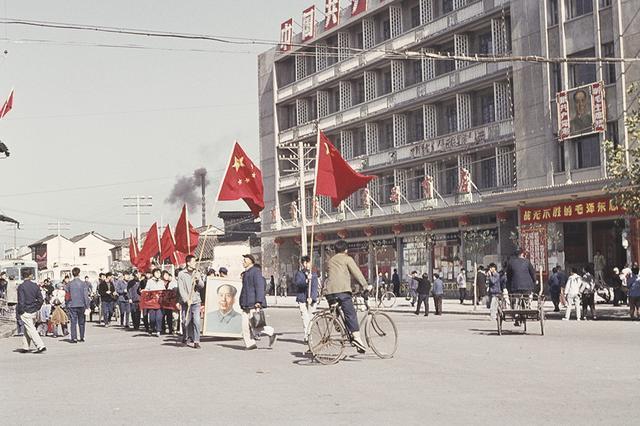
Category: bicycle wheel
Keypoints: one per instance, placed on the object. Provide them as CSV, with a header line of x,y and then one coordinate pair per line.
x,y
381,334
326,338
388,299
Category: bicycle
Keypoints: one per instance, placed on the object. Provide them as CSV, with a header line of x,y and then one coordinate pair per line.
x,y
384,297
328,333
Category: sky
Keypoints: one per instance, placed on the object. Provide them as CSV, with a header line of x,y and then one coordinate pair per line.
x,y
91,125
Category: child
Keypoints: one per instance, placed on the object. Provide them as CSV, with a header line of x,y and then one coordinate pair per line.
x,y
43,317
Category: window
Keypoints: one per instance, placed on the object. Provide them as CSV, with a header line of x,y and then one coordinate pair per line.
x,y
447,6
417,71
612,132
358,40
358,88
386,183
587,151
488,172
415,17
386,137
552,8
560,162
83,252
386,82
414,184
487,109
449,181
556,79
604,3
451,115
609,69
577,8
485,44
417,129
386,30
580,74
359,143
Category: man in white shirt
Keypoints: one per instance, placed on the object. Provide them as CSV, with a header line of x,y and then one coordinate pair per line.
x,y
462,285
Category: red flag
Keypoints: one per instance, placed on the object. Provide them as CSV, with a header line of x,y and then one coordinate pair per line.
x,y
7,106
133,250
150,249
243,180
335,178
186,237
358,6
168,248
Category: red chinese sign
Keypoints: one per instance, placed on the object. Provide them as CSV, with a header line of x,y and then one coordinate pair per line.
x,y
575,210
332,13
158,299
564,128
598,107
358,6
533,241
286,35
309,23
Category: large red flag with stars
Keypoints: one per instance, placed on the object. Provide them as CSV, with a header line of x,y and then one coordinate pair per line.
x,y
186,237
243,180
335,178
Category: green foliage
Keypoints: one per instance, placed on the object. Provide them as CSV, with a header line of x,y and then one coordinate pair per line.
x,y
476,240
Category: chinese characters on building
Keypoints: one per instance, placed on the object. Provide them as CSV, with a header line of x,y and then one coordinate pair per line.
x,y
570,211
308,23
332,13
286,35
533,241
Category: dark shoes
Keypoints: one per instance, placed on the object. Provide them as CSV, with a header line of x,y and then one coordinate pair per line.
x,y
197,346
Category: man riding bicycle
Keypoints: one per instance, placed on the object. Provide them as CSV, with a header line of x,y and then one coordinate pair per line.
x,y
341,268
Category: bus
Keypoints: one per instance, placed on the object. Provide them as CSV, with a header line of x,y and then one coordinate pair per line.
x,y
16,271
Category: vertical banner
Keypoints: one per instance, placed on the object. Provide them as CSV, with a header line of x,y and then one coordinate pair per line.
x,y
358,6
564,127
286,35
533,240
309,23
598,106
332,13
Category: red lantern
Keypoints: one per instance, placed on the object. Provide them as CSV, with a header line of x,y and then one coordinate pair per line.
x,y
502,217
429,225
397,229
320,237
278,241
464,221
343,233
369,231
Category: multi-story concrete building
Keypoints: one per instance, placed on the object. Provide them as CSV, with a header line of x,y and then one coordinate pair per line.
x,y
397,112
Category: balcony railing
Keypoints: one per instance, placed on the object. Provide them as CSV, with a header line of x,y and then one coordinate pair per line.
x,y
403,41
292,180
419,91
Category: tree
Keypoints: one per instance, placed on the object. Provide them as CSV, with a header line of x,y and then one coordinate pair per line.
x,y
474,241
623,166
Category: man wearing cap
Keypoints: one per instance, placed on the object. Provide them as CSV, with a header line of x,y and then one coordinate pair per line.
x,y
133,292
252,300
189,282
223,272
123,299
307,300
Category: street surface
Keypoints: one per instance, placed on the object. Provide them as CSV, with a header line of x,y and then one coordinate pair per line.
x,y
452,369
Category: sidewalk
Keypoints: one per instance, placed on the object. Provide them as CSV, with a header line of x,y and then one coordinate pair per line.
x,y
453,307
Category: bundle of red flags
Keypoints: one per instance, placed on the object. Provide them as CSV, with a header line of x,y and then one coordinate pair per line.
x,y
243,180
335,178
186,236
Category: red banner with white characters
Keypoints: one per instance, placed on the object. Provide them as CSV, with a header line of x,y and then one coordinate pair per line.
x,y
575,210
332,13
598,111
358,6
286,35
309,23
158,299
533,241
564,129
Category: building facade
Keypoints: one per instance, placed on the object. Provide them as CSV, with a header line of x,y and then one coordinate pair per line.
x,y
458,146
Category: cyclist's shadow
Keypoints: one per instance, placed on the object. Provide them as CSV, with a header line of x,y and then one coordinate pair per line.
x,y
305,359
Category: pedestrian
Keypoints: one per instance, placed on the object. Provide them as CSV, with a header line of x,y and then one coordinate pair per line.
x,y
43,317
307,300
252,300
634,298
438,293
4,284
88,284
155,313
617,286
494,290
189,282
341,269
481,285
599,264
272,285
562,279
59,316
423,289
107,293
29,303
461,280
572,293
413,287
123,299
395,279
79,302
554,289
521,278
133,293
222,272
588,290
170,285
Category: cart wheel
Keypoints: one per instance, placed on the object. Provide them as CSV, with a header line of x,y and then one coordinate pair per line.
x,y
541,322
499,321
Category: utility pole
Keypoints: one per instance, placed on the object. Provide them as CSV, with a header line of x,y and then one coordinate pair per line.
x,y
138,201
14,228
59,226
303,200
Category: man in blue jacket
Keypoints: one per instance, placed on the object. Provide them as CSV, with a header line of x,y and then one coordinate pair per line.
x,y
307,301
252,300
29,302
78,304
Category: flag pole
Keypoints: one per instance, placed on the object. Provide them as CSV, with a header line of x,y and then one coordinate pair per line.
x,y
313,209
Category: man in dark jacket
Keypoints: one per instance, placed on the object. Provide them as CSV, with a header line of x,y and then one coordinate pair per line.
x,y
395,279
133,292
79,302
29,302
494,289
554,289
3,284
424,287
307,301
252,300
521,276
107,291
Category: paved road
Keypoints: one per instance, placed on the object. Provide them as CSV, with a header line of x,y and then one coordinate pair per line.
x,y
450,369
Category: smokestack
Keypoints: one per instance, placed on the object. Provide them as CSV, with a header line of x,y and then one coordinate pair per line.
x,y
203,186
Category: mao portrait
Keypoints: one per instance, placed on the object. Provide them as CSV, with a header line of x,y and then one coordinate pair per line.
x,y
221,318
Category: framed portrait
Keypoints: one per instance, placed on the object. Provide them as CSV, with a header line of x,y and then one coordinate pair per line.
x,y
581,110
222,317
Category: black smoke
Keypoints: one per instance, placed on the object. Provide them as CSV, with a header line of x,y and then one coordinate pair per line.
x,y
188,190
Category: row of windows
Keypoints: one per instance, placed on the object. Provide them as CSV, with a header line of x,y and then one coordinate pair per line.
x,y
581,74
573,8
